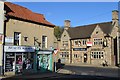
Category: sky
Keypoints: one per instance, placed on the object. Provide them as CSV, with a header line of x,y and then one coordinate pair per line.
x,y
79,13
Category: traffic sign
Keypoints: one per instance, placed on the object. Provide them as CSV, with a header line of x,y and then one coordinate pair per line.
x,y
55,51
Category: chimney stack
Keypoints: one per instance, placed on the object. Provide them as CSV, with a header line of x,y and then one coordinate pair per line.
x,y
115,18
67,24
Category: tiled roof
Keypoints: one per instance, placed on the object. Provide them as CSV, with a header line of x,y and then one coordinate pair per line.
x,y
25,14
86,30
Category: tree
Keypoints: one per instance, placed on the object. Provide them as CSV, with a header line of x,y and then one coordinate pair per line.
x,y
58,31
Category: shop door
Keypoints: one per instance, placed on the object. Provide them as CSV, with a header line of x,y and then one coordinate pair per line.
x,y
43,62
18,65
85,58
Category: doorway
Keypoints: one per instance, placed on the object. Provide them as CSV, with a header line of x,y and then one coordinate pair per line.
x,y
43,62
85,58
18,63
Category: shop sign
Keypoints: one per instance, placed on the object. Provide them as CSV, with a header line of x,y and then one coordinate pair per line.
x,y
79,49
9,39
44,52
89,43
19,49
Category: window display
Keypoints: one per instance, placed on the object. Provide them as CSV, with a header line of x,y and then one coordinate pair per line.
x,y
9,63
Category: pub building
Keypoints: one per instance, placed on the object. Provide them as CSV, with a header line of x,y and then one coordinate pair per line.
x,y
18,59
91,44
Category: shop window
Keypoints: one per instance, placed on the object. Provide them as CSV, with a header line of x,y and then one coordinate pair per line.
x,y
9,62
44,41
28,61
17,38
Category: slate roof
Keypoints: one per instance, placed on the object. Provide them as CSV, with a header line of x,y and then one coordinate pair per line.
x,y
14,10
86,30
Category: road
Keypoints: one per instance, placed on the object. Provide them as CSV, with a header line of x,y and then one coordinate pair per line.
x,y
92,71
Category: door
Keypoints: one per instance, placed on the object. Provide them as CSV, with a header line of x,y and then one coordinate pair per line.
x,y
85,58
18,63
43,62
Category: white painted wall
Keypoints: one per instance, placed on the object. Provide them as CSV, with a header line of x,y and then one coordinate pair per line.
x,y
1,28
1,16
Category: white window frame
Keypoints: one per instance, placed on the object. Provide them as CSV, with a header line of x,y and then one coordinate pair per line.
x,y
97,54
45,42
19,38
97,41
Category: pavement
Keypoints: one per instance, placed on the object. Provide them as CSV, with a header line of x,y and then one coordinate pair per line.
x,y
60,72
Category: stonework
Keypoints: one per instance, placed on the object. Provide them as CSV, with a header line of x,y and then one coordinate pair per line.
x,y
103,47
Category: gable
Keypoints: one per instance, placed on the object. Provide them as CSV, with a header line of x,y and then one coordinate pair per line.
x,y
65,36
97,33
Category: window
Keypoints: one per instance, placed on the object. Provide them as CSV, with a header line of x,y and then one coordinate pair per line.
x,y
97,55
65,54
25,38
17,38
65,43
75,56
44,41
84,42
77,42
98,41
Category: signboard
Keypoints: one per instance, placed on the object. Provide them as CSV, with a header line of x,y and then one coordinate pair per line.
x,y
44,52
79,49
9,40
19,49
89,43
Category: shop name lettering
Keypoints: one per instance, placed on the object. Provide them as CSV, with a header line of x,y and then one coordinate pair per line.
x,y
79,49
20,48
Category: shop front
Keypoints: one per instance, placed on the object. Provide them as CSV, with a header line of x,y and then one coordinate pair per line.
x,y
44,60
18,59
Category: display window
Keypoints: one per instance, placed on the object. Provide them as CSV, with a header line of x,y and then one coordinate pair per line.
x,y
28,61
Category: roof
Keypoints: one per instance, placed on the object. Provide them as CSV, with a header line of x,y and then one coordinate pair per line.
x,y
20,12
86,30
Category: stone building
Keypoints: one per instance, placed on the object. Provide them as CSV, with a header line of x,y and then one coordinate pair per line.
x,y
24,33
91,44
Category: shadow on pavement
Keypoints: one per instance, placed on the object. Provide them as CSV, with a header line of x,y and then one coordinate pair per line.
x,y
56,76
49,75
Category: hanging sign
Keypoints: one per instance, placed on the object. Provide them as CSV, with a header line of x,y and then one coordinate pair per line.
x,y
89,43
